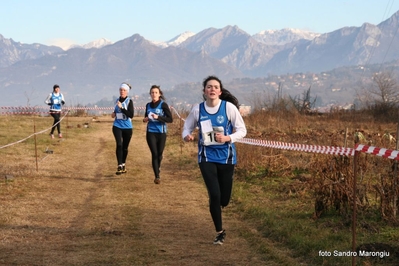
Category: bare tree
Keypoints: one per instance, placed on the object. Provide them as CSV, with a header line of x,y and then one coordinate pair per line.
x,y
28,96
381,98
305,104
386,91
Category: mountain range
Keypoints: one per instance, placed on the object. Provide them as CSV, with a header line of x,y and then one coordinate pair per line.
x,y
90,73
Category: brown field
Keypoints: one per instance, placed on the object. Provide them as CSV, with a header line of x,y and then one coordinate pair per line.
x,y
69,208
76,211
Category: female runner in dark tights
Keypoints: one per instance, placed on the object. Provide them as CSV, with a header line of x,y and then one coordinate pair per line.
x,y
55,100
220,125
122,127
157,114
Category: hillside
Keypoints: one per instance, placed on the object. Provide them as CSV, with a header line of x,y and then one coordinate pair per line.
x,y
28,71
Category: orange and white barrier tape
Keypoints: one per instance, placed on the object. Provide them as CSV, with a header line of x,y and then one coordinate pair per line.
x,y
299,147
382,152
386,153
390,154
44,110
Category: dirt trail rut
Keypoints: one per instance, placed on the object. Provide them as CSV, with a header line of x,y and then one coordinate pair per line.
x,y
78,212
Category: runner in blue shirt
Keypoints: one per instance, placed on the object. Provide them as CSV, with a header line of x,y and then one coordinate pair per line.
x,y
220,124
55,100
122,127
157,114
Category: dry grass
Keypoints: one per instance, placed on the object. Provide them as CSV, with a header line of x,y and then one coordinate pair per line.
x,y
304,200
76,211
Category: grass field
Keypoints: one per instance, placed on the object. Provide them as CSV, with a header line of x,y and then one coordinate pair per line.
x,y
288,207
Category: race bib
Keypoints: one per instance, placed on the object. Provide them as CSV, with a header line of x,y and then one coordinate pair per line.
x,y
209,138
150,116
120,116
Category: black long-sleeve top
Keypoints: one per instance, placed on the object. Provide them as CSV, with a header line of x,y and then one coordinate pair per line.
x,y
129,112
167,118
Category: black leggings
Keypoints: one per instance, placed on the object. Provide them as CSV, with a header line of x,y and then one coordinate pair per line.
x,y
56,116
218,179
122,138
156,143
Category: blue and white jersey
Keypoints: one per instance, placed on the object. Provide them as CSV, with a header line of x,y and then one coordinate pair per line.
x,y
153,125
56,102
209,124
121,120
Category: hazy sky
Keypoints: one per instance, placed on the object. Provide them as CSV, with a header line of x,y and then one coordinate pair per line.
x,y
65,22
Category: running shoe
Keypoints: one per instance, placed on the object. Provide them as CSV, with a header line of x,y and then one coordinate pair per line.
x,y
51,135
124,169
219,239
157,180
60,135
119,170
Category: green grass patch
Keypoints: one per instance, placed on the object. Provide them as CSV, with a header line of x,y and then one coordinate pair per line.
x,y
286,217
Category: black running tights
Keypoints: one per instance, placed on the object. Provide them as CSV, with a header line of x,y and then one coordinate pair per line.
x,y
56,116
122,138
156,143
218,179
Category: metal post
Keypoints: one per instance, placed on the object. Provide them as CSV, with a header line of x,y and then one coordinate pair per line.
x,y
34,131
66,128
354,210
180,140
395,176
354,207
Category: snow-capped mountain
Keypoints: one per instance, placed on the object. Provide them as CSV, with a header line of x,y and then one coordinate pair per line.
x,y
228,52
94,44
180,38
176,41
284,36
12,52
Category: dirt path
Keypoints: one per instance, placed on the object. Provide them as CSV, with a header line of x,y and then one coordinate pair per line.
x,y
78,212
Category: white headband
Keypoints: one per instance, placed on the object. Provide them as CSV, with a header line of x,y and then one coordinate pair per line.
x,y
124,86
